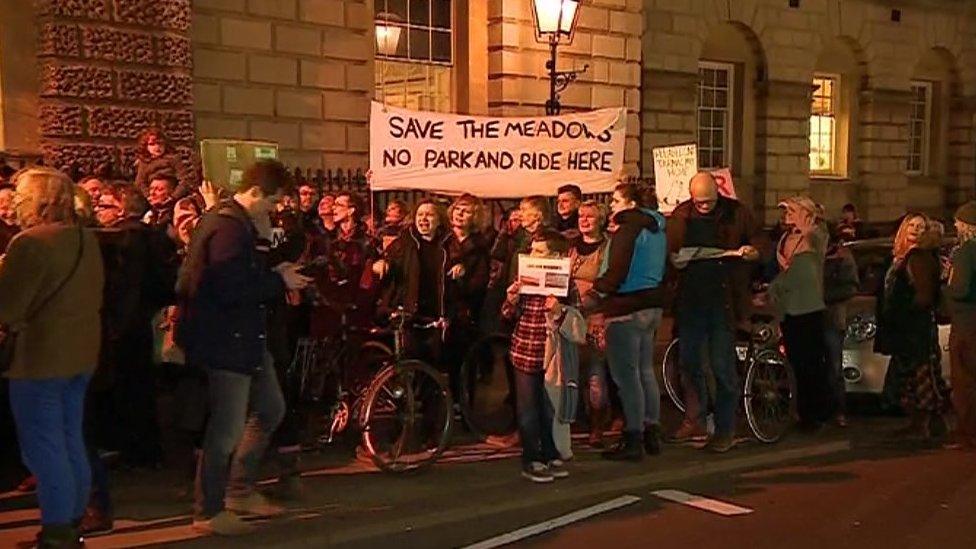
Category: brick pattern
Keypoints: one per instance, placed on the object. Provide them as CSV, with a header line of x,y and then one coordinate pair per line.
x,y
608,39
108,70
787,43
298,72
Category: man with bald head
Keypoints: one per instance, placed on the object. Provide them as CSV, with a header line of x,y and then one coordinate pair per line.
x,y
713,298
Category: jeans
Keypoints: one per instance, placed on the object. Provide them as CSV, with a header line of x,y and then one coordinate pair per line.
x,y
708,330
535,415
630,354
49,415
244,412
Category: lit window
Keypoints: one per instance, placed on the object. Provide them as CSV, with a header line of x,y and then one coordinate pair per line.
x,y
714,114
415,53
823,125
918,127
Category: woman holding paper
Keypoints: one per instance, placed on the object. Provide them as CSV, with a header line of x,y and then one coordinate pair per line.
x,y
630,298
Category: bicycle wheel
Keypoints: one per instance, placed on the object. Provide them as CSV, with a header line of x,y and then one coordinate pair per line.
x,y
671,375
407,417
486,396
769,395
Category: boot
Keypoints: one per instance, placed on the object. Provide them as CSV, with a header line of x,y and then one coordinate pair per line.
x,y
60,536
598,425
652,439
627,449
916,427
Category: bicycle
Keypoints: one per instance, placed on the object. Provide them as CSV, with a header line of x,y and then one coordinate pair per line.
x,y
403,411
487,393
768,383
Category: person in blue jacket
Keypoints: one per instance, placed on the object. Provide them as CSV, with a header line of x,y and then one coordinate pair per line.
x,y
631,300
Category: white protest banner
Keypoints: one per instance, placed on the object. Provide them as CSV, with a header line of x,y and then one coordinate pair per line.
x,y
495,157
674,167
543,276
723,179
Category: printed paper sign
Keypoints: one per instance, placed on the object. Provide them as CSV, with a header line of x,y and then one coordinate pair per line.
x,y
543,276
673,169
494,157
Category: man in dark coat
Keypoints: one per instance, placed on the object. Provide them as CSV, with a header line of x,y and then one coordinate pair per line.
x,y
224,290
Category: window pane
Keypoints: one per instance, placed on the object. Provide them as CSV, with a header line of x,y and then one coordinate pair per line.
x,y
721,98
718,119
440,14
721,79
419,44
419,12
704,118
398,8
441,46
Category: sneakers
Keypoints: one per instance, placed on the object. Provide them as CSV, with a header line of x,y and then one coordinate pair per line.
x,y
557,469
719,444
537,472
652,439
223,523
254,504
688,430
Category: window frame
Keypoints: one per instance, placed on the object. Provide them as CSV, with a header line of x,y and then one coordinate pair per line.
x,y
926,137
406,26
728,145
834,171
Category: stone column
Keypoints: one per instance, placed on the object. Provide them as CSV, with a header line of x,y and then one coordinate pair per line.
x,y
961,172
108,70
883,152
782,145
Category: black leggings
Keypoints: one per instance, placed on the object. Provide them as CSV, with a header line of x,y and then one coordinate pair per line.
x,y
807,352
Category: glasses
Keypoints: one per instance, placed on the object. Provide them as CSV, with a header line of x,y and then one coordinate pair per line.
x,y
306,192
340,204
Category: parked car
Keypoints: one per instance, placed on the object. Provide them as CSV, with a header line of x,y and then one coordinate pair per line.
x,y
864,369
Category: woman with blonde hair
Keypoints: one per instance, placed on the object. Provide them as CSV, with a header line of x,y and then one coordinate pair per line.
x,y
797,296
50,296
907,326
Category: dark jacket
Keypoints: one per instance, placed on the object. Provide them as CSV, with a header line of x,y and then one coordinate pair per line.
x,y
7,233
906,312
403,280
840,280
736,228
961,289
467,293
169,163
224,289
629,284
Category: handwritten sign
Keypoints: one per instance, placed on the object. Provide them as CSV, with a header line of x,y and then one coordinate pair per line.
x,y
495,157
543,276
723,178
674,167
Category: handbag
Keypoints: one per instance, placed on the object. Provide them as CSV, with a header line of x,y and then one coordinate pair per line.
x,y
8,335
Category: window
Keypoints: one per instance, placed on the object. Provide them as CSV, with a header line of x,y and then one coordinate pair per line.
x,y
823,125
918,128
714,114
415,53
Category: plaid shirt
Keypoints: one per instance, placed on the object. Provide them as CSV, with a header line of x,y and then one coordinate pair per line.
x,y
529,338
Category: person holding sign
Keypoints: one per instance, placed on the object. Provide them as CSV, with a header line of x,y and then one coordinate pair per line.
x,y
716,235
631,302
540,457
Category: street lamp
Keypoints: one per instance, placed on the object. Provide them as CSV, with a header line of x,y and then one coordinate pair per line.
x,y
555,24
387,34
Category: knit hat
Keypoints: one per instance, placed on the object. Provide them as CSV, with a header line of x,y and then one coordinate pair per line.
x,y
967,213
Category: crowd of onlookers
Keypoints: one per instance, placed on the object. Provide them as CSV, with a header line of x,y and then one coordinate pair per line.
x,y
226,282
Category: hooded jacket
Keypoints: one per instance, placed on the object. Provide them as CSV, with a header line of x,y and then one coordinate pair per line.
x,y
467,294
635,264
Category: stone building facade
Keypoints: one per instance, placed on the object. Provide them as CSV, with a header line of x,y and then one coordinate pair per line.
x,y
864,101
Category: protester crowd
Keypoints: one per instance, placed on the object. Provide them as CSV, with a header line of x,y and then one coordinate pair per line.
x,y
102,281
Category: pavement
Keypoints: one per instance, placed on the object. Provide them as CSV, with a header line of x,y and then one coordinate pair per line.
x,y
834,487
